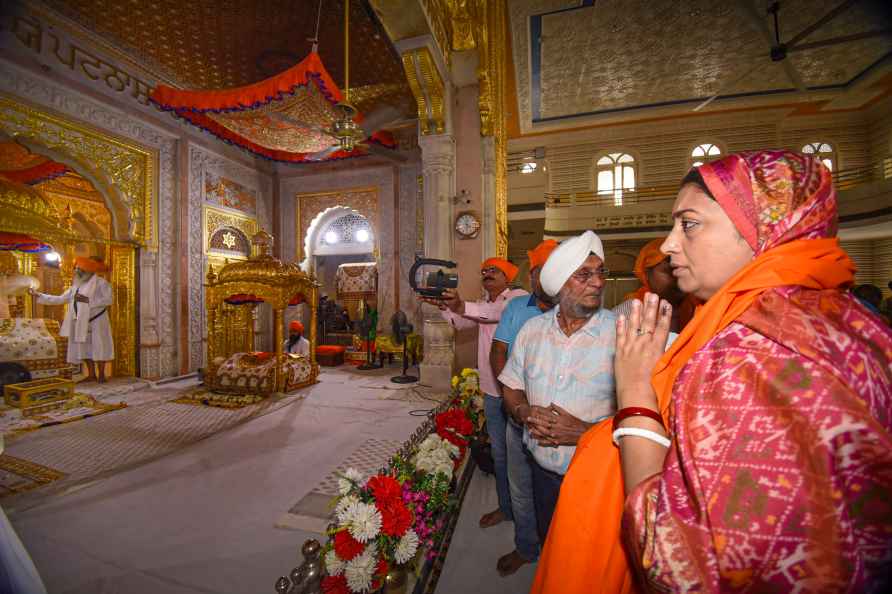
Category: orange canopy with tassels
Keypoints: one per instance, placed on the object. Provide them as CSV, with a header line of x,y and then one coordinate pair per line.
x,y
278,118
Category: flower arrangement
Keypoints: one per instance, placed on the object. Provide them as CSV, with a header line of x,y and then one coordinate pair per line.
x,y
466,390
383,522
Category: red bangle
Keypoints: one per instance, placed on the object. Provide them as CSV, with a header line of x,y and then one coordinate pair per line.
x,y
636,411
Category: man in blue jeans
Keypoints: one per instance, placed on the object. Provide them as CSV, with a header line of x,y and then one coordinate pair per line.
x,y
484,314
520,481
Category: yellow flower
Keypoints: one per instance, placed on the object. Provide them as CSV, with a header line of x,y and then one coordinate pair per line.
x,y
454,381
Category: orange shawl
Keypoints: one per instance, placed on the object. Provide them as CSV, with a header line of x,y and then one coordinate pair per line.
x,y
583,553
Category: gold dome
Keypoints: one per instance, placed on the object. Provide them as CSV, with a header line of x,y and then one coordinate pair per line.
x,y
260,268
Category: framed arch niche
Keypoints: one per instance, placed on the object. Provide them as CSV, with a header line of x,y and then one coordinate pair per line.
x,y
227,236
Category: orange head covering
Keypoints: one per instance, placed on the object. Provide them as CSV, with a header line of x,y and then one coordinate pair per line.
x,y
89,264
296,326
540,253
649,256
505,266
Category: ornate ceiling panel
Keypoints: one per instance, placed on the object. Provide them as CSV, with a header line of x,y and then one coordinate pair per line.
x,y
217,44
591,57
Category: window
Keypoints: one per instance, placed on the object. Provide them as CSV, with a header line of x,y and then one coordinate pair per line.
x,y
348,229
705,153
823,151
615,173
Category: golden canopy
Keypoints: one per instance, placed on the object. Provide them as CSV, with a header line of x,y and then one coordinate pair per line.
x,y
261,278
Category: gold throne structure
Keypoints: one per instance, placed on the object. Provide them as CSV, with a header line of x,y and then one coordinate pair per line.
x,y
232,296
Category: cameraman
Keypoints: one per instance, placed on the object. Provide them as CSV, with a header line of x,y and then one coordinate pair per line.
x,y
485,314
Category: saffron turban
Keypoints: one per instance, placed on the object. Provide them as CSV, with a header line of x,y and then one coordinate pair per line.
x,y
540,253
566,258
505,266
649,256
89,264
296,326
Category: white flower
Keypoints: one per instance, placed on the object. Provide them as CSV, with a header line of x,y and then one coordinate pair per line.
x,y
364,521
360,570
352,478
435,455
343,506
334,565
406,547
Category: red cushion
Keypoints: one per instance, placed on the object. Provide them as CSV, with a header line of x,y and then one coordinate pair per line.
x,y
330,349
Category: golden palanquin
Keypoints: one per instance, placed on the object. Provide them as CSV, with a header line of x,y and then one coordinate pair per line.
x,y
231,296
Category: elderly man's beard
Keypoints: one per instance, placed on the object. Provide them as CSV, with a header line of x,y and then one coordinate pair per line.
x,y
81,278
576,309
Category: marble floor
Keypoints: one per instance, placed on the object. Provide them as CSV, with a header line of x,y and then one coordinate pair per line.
x,y
201,519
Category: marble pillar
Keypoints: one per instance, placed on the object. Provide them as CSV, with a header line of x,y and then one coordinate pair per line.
x,y
438,170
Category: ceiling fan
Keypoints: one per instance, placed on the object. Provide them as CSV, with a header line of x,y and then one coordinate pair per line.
x,y
780,50
344,130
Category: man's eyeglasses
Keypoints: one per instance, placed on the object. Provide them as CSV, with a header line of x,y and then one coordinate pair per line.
x,y
490,270
584,276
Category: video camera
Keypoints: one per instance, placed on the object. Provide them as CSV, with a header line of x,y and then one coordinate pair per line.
x,y
436,281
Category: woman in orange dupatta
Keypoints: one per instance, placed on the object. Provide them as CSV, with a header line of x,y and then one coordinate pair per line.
x,y
779,345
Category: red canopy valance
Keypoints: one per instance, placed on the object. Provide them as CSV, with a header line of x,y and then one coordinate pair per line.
x,y
22,243
36,174
246,116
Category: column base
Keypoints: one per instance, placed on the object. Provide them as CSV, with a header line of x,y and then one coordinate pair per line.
x,y
439,377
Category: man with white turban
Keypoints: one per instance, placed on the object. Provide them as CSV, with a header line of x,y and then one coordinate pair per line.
x,y
558,381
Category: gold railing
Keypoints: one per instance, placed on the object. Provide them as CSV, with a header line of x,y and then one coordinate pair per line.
x,y
844,179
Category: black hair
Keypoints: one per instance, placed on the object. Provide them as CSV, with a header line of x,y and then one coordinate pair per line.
x,y
694,177
870,293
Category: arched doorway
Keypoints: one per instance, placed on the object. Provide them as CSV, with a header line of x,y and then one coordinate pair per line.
x,y
338,236
92,222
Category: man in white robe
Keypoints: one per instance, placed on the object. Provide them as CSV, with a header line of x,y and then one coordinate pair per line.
x,y
296,343
86,323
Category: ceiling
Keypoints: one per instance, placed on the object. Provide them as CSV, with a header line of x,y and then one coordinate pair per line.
x,y
217,44
597,57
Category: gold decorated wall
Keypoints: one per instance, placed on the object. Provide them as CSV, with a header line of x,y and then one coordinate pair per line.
x,y
121,170
110,197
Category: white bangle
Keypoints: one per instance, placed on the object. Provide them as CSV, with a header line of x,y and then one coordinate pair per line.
x,y
645,433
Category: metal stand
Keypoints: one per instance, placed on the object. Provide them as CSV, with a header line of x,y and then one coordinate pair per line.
x,y
404,378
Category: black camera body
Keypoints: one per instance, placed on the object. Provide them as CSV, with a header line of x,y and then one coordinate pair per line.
x,y
436,281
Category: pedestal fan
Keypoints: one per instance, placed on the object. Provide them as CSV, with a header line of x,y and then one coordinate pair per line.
x,y
401,329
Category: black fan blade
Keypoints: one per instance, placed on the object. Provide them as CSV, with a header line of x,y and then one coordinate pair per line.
x,y
820,23
841,39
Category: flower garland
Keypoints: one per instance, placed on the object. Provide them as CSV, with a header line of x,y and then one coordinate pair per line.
x,y
384,521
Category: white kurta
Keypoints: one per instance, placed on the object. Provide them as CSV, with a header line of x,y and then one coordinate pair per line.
x,y
301,347
86,325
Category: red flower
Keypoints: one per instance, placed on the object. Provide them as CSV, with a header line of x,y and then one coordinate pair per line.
x,y
395,517
346,547
454,425
385,488
380,573
335,584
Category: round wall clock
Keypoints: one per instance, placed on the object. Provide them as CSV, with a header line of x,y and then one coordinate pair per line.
x,y
467,225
